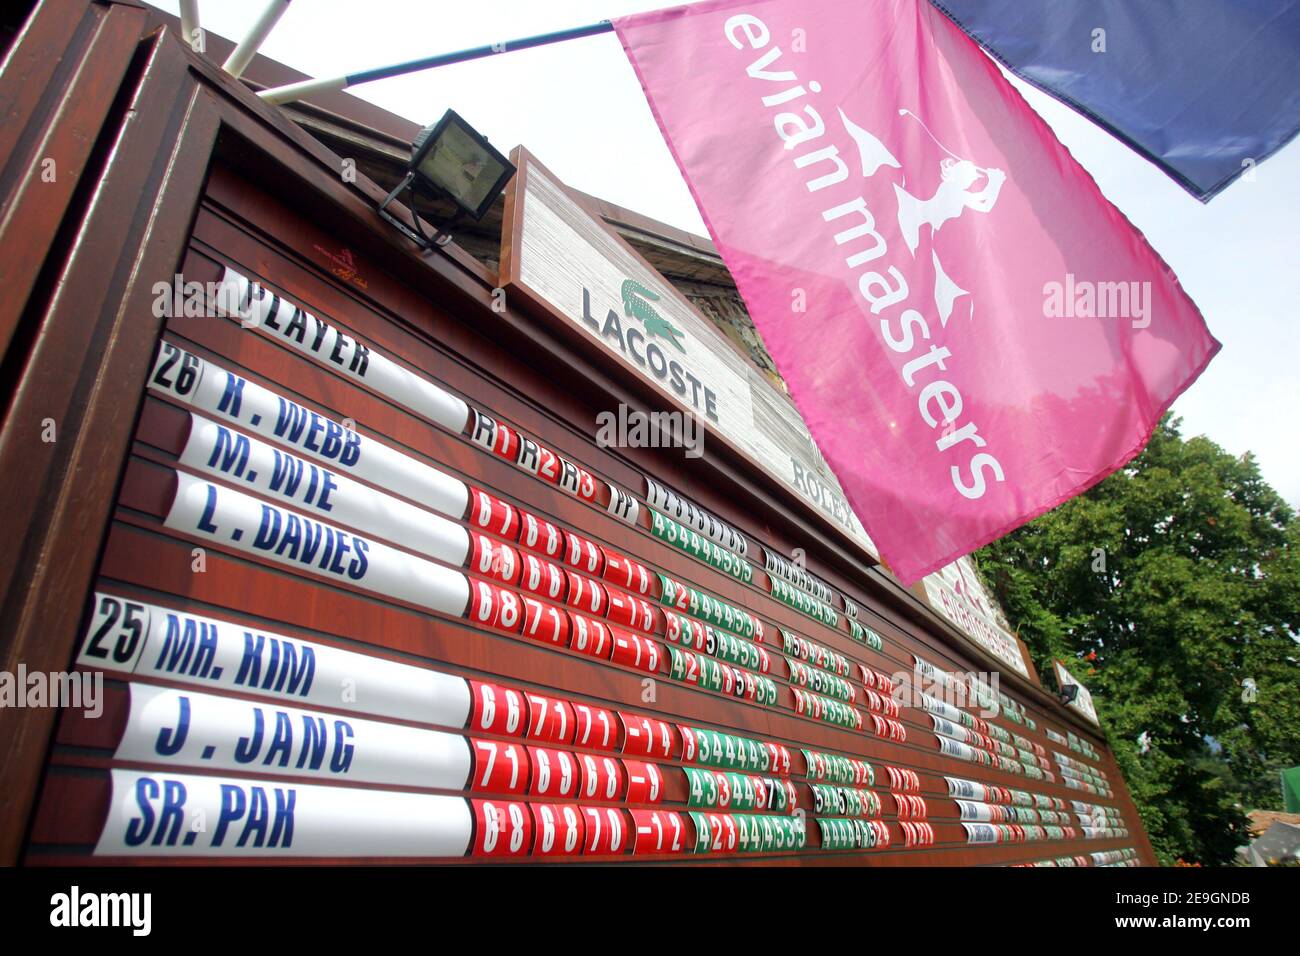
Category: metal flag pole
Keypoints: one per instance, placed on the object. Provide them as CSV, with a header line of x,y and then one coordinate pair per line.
x,y
296,91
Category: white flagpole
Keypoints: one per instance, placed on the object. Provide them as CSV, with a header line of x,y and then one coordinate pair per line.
x,y
189,19
243,54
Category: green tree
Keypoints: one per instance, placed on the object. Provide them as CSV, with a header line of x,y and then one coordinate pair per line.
x,y
1173,587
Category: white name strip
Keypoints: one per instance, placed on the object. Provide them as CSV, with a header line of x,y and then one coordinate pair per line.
x,y
151,641
207,730
336,351
236,520
168,814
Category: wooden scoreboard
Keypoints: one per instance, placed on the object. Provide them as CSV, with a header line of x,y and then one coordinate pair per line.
x,y
341,529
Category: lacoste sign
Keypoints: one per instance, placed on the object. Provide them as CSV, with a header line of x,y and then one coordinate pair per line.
x,y
647,339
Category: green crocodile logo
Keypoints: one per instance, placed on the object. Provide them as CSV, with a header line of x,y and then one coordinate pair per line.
x,y
635,305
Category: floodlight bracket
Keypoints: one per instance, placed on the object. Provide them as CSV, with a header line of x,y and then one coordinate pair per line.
x,y
415,231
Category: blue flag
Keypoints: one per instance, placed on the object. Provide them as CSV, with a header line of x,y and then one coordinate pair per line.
x,y
1204,89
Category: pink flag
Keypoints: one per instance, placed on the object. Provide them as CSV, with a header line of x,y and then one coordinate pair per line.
x,y
972,332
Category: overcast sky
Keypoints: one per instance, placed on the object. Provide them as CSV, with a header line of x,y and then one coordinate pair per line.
x,y
578,108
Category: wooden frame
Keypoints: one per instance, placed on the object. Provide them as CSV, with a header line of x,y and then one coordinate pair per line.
x,y
85,333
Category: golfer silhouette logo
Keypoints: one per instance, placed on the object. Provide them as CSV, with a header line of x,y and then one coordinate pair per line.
x,y
962,185
953,195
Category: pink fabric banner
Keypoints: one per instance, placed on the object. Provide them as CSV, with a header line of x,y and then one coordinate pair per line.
x,y
972,332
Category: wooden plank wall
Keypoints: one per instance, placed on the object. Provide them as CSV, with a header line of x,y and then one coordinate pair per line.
x,y
241,226
81,87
